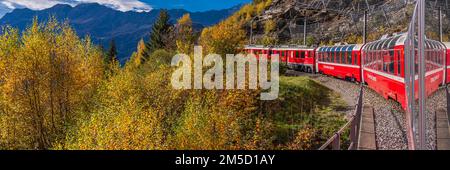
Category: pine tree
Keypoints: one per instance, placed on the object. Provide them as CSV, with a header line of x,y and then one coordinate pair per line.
x,y
160,32
112,52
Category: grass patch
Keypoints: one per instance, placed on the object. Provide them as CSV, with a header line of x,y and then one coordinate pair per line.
x,y
306,114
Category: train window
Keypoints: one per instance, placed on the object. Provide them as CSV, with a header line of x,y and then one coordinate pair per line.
x,y
391,62
399,63
349,57
435,56
327,55
379,61
372,59
283,54
342,57
297,55
302,54
366,58
384,58
337,57
332,57
431,56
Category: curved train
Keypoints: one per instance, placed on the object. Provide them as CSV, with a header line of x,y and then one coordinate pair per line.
x,y
378,64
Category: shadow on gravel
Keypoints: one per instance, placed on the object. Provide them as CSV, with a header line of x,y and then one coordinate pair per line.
x,y
399,123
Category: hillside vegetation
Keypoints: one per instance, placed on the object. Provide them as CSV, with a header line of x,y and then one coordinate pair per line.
x,y
58,91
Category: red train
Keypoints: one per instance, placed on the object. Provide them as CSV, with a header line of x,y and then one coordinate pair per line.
x,y
378,64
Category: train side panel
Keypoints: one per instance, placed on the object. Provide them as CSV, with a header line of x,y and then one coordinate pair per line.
x,y
302,59
342,62
447,64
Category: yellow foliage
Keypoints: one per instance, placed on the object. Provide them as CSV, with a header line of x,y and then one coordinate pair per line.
x,y
304,139
224,38
184,35
269,26
47,75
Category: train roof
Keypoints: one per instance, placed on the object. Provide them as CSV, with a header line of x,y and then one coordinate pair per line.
x,y
350,47
447,44
390,42
283,47
260,47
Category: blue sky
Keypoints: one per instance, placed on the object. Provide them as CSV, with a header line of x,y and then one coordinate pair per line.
x,y
195,5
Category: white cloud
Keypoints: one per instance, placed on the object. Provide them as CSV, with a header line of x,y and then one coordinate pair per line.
x,y
122,5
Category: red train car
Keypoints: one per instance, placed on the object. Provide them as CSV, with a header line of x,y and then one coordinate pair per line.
x,y
447,62
257,50
301,58
296,57
383,67
283,52
342,61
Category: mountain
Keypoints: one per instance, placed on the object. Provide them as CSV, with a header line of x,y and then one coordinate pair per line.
x,y
104,24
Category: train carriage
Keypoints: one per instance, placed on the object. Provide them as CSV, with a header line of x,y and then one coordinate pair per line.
x,y
447,61
283,53
301,58
257,50
340,61
383,67
296,57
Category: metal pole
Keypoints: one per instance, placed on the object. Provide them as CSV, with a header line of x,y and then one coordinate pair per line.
x,y
410,80
251,32
422,95
365,27
440,24
304,31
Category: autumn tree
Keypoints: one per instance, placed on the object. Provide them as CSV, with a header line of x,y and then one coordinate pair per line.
x,y
50,74
184,34
138,57
224,38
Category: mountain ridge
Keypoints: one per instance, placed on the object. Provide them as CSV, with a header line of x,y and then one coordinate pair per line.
x,y
104,24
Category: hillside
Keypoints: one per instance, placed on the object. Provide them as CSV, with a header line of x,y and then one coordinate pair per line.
x,y
104,24
339,20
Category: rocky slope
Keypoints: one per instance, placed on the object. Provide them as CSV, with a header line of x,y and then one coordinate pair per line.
x,y
332,21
